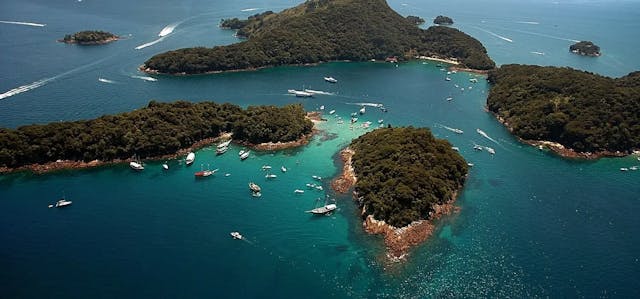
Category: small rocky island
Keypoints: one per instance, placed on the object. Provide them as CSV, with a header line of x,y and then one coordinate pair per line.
x,y
321,31
90,38
443,20
404,179
158,130
585,48
416,20
575,113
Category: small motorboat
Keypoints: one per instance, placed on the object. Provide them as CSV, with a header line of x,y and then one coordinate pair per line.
x,y
332,112
254,187
624,169
165,166
245,155
241,152
298,191
136,165
270,176
323,210
283,169
221,150
490,150
190,158
236,236
61,203
331,79
266,167
315,177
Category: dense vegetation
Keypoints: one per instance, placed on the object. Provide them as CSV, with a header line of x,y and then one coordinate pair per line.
x,y
325,30
89,37
403,172
158,129
415,20
585,48
242,25
583,111
443,20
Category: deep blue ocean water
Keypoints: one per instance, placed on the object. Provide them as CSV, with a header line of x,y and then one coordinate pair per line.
x,y
531,224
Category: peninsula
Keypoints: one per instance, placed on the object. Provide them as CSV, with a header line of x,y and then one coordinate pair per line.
x,y
89,38
585,48
575,113
320,31
158,130
404,179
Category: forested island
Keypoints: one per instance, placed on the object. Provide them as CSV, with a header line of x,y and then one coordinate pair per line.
x,y
404,178
443,20
416,20
320,31
585,48
90,38
156,130
581,114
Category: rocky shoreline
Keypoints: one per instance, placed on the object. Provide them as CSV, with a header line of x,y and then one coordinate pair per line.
x,y
398,241
102,42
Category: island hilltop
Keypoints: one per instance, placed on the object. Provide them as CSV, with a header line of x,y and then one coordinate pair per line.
x,y
443,20
404,180
90,38
585,48
324,30
575,113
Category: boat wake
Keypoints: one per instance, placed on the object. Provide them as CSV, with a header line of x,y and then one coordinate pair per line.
x,y
250,9
24,23
149,43
494,34
528,22
145,78
537,53
318,92
377,105
487,136
458,131
543,35
103,80
168,29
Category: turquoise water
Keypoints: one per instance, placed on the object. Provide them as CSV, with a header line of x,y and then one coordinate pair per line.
x,y
531,224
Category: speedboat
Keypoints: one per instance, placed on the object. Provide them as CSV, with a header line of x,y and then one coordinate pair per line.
x,y
298,191
241,152
270,176
447,79
205,173
624,169
322,107
190,158
316,177
283,169
266,167
224,144
221,150
299,93
490,150
61,203
331,79
362,110
478,147
165,166
236,235
332,112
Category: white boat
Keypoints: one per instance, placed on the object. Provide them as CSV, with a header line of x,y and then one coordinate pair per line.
x,y
447,79
224,144
61,203
245,155
470,164
298,191
634,168
478,147
319,188
331,79
283,169
190,158
136,165
323,210
332,112
241,152
236,235
165,166
266,167
254,187
221,150
380,121
473,80
309,185
299,93
354,119
315,177
490,150
322,107
362,110
270,176
624,169
449,99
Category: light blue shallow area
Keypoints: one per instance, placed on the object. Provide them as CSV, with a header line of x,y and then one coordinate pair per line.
x,y
530,225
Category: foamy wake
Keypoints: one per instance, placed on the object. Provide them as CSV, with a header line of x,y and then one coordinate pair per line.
x,y
495,34
487,136
318,92
149,43
24,23
543,35
145,78
168,29
23,88
377,105
528,22
103,80
537,53
249,9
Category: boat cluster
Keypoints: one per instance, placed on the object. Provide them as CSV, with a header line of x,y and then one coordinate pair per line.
x,y
632,168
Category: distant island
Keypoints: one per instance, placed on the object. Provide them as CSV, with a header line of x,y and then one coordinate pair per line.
x,y
415,20
404,178
585,48
90,38
159,129
443,20
575,113
320,31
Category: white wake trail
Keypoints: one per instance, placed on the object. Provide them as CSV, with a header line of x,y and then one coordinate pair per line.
x,y
145,78
103,80
24,23
528,22
377,105
168,29
249,9
487,136
495,34
149,43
